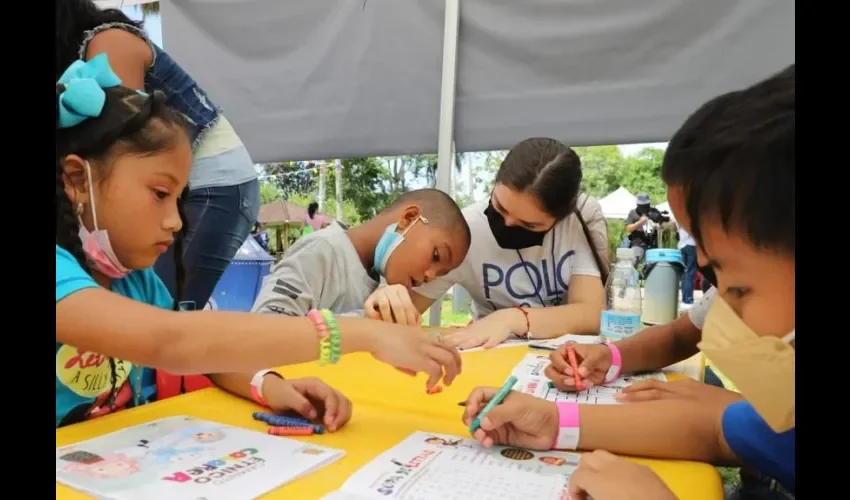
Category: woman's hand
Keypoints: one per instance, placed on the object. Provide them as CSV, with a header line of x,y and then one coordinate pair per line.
x,y
413,350
491,330
604,476
520,420
652,390
593,360
310,398
392,304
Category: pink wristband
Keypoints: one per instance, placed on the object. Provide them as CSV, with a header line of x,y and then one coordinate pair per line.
x,y
616,363
319,321
257,386
568,426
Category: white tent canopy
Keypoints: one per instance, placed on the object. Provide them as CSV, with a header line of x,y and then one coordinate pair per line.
x,y
117,4
617,204
347,78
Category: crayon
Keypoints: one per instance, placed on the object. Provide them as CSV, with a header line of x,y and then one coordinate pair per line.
x,y
497,399
290,431
434,390
284,422
571,354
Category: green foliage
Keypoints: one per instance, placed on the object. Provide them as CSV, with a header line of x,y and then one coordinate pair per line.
x,y
268,192
616,233
605,169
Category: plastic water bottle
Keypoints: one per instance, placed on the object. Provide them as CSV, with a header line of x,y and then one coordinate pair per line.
x,y
621,316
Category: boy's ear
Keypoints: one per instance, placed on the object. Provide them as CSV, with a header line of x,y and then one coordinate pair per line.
x,y
408,215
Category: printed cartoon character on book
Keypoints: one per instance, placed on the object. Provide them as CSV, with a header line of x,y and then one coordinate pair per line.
x,y
113,471
449,443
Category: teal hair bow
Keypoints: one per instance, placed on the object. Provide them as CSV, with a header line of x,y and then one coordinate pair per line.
x,y
83,97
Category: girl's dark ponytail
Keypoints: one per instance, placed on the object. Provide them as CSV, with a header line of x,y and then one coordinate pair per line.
x,y
67,226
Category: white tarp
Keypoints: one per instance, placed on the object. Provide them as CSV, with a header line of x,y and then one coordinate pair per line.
x,y
345,78
617,204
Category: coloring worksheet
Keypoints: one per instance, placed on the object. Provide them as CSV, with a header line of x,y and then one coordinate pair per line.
x,y
184,458
440,467
531,380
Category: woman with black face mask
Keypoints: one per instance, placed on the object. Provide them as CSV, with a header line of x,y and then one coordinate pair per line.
x,y
539,254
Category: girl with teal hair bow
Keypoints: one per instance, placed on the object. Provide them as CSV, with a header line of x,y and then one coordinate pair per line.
x,y
122,170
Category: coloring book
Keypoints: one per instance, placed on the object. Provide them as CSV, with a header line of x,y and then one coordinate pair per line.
x,y
184,458
439,467
531,380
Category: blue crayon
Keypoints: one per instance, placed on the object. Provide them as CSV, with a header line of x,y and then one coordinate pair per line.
x,y
283,421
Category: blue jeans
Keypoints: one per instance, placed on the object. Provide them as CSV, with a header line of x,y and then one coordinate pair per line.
x,y
219,220
689,260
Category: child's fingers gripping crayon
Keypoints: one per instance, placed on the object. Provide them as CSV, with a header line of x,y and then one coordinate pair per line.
x,y
571,354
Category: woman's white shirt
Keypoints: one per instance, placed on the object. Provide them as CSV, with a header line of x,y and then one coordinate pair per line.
x,y
497,278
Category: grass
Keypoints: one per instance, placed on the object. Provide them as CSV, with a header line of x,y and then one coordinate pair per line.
x,y
448,317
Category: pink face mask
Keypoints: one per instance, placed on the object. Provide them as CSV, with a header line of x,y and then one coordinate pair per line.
x,y
96,245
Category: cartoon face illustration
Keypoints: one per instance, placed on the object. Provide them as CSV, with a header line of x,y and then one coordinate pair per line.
x,y
443,442
109,467
174,455
208,436
556,461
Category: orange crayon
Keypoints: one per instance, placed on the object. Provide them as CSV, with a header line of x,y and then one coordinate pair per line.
x,y
571,353
291,431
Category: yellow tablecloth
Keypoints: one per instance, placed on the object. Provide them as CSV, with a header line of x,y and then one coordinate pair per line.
x,y
388,407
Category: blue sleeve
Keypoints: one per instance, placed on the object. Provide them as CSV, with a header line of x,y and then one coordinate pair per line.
x,y
757,445
156,293
70,276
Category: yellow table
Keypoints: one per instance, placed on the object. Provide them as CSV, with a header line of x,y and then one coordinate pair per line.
x,y
388,407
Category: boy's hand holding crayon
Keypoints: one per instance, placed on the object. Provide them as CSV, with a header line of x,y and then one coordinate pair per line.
x,y
593,361
520,420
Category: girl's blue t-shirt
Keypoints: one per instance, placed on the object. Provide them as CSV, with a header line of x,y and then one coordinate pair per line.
x,y
84,379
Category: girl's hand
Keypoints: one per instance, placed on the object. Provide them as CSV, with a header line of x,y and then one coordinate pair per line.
x,y
490,331
520,420
412,350
392,304
309,397
604,476
593,360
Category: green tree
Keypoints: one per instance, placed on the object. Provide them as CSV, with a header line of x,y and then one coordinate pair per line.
x,y
268,192
602,168
642,173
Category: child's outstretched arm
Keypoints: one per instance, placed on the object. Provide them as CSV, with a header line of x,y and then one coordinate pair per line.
x,y
96,320
670,429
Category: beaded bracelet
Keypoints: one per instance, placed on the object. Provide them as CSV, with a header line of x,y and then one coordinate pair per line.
x,y
322,331
331,345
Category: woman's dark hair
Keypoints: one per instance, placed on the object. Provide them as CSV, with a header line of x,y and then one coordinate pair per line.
x,y
734,160
73,19
130,123
312,208
551,171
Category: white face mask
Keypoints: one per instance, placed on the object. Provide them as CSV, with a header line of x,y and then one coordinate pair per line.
x,y
96,244
762,368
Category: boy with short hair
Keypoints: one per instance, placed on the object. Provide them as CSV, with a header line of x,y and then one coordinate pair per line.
x,y
420,236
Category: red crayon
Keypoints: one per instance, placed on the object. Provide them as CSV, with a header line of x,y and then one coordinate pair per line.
x,y
435,390
290,431
571,353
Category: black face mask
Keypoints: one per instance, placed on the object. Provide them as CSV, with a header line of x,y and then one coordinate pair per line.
x,y
511,238
708,273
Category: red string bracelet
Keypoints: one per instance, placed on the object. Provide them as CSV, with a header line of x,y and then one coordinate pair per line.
x,y
527,322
